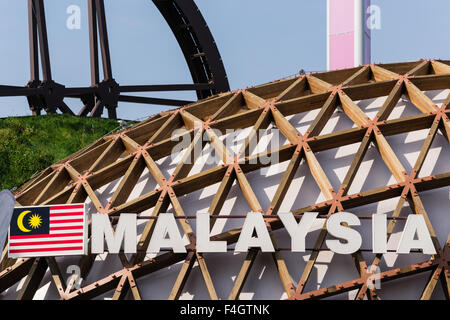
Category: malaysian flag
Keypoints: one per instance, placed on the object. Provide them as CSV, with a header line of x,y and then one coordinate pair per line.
x,y
56,230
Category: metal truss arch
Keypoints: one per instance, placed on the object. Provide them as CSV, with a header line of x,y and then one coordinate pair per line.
x,y
197,43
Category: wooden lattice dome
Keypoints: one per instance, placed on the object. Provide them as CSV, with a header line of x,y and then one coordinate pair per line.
x,y
115,164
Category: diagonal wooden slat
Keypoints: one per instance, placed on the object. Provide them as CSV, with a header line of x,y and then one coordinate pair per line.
x,y
421,69
134,288
56,184
391,102
324,115
294,90
361,76
33,279
251,140
439,67
252,100
382,74
57,277
389,157
419,99
182,276
243,274
418,208
431,284
229,108
127,183
317,85
352,110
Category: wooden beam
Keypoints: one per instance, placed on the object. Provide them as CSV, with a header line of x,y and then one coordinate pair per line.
x,y
251,141
361,76
439,67
206,277
390,102
419,99
154,170
356,162
446,125
323,117
224,154
317,85
285,127
243,274
33,279
294,90
182,276
389,157
252,100
285,183
418,208
144,240
57,277
130,145
127,183
421,69
133,286
221,195
352,110
57,183
190,121
382,74
319,175
166,129
426,148
121,289
431,284
231,107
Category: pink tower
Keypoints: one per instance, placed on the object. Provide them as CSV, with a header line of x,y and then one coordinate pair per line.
x,y
348,36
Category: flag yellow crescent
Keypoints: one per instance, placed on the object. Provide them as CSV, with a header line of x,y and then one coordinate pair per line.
x,y
20,221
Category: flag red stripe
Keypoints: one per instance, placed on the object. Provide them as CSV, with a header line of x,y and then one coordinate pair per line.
x,y
37,243
66,221
47,235
46,249
66,214
75,206
65,228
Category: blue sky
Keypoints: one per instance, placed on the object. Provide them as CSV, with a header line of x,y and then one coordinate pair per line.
x,y
259,40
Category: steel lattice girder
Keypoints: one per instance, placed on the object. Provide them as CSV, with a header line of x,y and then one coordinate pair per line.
x,y
189,28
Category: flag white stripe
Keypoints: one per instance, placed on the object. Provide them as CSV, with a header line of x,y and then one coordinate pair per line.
x,y
44,246
67,211
65,231
12,242
66,224
50,253
52,219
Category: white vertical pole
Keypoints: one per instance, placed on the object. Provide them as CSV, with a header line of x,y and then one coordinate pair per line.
x,y
359,14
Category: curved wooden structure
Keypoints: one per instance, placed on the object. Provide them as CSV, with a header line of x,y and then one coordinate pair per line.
x,y
189,28
125,154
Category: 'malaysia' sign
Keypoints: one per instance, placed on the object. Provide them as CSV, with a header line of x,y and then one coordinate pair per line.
x,y
254,233
61,230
